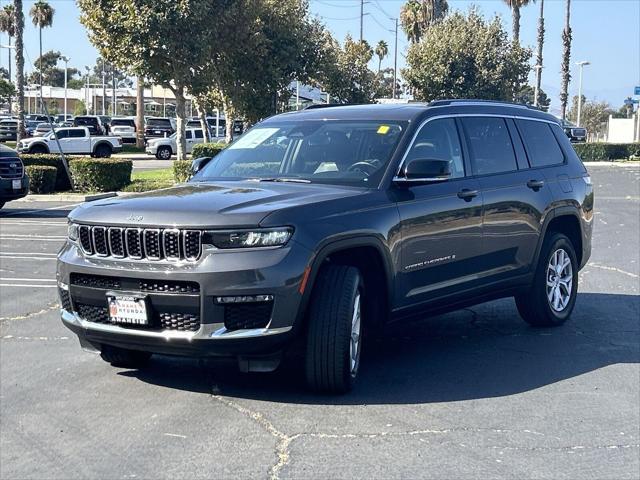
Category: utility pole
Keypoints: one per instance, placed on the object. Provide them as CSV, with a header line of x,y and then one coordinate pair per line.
x,y
66,62
395,63
536,89
581,65
104,93
114,108
361,20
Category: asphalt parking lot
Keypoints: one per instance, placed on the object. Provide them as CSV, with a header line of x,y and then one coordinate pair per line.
x,y
471,394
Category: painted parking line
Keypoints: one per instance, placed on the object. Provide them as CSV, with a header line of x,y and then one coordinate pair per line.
x,y
39,254
25,256
25,212
36,223
22,285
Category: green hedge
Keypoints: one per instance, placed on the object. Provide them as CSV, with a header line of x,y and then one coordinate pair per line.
x,y
593,152
49,160
42,178
181,170
100,175
207,149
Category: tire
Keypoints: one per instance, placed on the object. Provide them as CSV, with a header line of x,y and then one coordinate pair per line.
x,y
331,365
164,153
120,357
38,149
547,305
103,151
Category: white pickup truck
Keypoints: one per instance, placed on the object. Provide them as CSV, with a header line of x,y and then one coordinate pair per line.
x,y
73,141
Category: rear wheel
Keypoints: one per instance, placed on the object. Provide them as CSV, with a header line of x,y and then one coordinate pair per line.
x,y
163,153
552,296
103,151
334,337
38,149
121,357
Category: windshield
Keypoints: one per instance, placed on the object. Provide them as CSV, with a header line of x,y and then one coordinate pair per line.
x,y
117,122
336,152
158,122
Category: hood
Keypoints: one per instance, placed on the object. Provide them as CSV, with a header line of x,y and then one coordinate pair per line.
x,y
28,141
198,205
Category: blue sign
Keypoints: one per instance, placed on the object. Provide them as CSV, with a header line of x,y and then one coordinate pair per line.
x,y
631,101
636,91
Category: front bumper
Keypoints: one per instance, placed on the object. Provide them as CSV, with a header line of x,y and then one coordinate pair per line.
x,y
277,272
151,149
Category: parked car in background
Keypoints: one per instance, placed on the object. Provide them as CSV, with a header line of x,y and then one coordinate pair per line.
x,y
39,117
8,130
30,127
156,127
92,122
74,140
123,127
43,128
61,118
106,123
194,122
164,148
576,134
14,183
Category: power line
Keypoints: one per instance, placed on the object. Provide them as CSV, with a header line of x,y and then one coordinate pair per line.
x,y
333,5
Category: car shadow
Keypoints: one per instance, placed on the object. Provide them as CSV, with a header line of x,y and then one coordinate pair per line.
x,y
475,353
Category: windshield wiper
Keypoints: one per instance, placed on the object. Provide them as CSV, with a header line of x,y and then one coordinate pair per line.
x,y
282,179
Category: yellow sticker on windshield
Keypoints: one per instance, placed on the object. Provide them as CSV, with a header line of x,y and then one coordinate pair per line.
x,y
383,129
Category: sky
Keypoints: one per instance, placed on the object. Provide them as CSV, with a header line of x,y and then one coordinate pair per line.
x,y
605,33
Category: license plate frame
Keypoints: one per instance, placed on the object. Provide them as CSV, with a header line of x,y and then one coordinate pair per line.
x,y
16,184
128,309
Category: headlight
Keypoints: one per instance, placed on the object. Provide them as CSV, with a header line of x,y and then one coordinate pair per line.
x,y
267,237
72,231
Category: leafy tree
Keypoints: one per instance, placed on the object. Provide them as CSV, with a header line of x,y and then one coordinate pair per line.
x,y
7,90
625,111
385,83
416,16
346,76
594,115
526,96
465,56
566,60
515,6
382,50
165,41
7,25
49,72
19,32
80,108
122,79
42,17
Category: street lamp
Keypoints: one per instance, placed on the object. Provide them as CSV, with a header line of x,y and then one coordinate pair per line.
x,y
66,62
581,65
9,47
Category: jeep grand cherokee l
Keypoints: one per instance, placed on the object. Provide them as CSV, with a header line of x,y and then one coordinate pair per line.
x,y
321,225
14,183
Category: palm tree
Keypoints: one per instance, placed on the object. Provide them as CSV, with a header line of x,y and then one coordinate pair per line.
x,y
515,6
19,31
382,50
42,16
7,25
539,54
566,59
416,16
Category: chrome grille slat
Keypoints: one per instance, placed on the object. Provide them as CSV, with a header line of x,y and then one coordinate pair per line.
x,y
11,168
153,244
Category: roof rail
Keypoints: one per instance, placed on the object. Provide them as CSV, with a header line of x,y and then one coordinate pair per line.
x,y
324,105
467,101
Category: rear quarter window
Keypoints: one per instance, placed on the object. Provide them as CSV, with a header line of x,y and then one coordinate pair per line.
x,y
540,143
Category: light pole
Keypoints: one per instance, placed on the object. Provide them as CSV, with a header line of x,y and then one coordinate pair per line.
x,y
86,93
66,63
536,90
9,47
581,65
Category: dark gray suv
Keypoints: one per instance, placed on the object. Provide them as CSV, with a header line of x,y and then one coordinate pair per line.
x,y
317,227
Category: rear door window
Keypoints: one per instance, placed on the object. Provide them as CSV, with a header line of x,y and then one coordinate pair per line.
x,y
490,144
76,133
541,144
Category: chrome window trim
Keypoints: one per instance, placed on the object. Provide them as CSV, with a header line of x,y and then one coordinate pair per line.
x,y
398,178
144,243
122,239
126,241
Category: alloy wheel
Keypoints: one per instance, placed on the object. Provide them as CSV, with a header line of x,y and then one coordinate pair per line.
x,y
559,280
354,350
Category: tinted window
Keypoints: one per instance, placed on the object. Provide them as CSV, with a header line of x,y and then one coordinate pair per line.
x,y
76,133
122,122
542,146
490,144
438,140
187,134
62,134
158,122
199,134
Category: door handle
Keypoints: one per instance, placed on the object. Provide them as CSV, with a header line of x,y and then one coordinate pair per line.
x,y
467,194
535,184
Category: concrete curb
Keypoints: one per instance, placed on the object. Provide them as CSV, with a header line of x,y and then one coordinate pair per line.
x,y
67,197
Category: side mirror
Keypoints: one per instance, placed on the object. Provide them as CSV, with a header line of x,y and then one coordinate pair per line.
x,y
424,170
199,163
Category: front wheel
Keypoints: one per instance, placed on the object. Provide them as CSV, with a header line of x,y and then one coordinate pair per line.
x,y
163,153
120,357
552,296
38,149
334,337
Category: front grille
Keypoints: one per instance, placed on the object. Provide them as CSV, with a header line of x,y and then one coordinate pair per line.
x,y
65,299
143,285
168,287
247,315
95,281
141,243
184,322
11,168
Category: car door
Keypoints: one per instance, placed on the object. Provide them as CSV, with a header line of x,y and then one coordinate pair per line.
x,y
441,222
79,141
189,140
514,196
63,138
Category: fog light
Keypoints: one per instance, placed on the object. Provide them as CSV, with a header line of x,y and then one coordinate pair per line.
x,y
244,299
